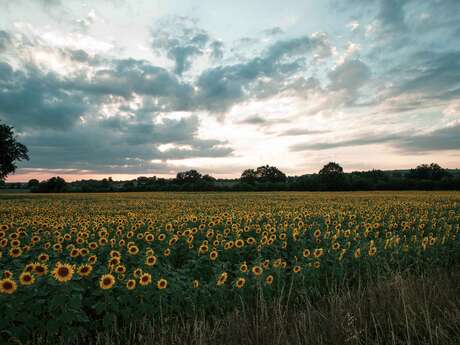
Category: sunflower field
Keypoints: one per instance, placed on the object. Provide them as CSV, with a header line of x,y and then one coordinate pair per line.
x,y
72,264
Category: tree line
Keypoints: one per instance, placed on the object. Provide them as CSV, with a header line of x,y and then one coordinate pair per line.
x,y
264,178
268,178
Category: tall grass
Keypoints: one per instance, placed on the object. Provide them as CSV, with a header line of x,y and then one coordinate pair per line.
x,y
404,309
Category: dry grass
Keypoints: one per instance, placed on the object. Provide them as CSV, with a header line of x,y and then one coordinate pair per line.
x,y
414,310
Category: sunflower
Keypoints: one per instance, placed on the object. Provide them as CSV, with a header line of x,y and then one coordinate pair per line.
x,y
239,243
133,250
92,259
137,272
145,279
167,252
149,237
63,272
240,283
306,253
372,251
151,260
26,278
357,253
15,252
269,280
43,257
296,269
114,261
265,264
222,279
257,270
318,252
40,269
196,284
84,270
213,255
29,267
162,284
131,284
7,274
8,286
244,267
107,281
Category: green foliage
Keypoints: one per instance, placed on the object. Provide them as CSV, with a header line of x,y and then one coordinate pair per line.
x,y
10,151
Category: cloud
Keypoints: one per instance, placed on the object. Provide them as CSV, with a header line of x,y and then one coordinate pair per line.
x,y
129,145
391,14
254,120
368,139
182,41
447,138
31,98
4,40
219,88
436,75
350,75
273,31
300,131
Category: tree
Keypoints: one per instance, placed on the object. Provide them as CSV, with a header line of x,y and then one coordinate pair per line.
x,y
190,176
10,151
53,185
428,172
248,176
267,173
332,176
33,183
208,178
263,173
331,169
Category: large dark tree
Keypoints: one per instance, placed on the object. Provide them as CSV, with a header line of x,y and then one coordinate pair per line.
x,y
268,173
10,151
248,176
332,176
428,172
190,176
263,173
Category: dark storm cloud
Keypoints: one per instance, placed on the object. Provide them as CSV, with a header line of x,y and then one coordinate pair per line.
x,y
223,86
435,74
129,145
447,138
59,115
32,98
128,76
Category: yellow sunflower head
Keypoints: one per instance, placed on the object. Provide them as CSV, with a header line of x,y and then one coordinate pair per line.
x,y
107,281
8,286
63,272
162,284
26,278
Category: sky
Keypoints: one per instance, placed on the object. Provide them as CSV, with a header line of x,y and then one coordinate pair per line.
x,y
151,87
